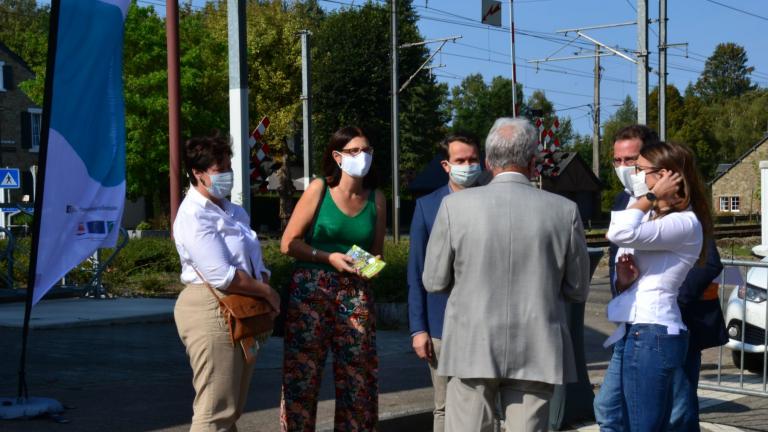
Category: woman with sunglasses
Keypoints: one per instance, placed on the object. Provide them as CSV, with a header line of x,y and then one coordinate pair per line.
x,y
660,238
330,305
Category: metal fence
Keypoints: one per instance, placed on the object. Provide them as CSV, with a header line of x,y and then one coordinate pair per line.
x,y
744,298
90,270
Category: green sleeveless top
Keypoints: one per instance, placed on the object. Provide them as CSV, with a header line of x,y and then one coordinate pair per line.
x,y
336,232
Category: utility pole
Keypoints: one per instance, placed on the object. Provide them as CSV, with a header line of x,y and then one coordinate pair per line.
x,y
663,69
306,105
642,62
238,103
596,99
514,68
429,59
596,116
174,104
395,132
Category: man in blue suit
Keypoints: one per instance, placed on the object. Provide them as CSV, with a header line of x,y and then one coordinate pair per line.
x,y
698,301
425,311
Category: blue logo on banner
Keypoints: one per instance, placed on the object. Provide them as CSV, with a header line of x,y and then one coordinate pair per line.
x,y
96,227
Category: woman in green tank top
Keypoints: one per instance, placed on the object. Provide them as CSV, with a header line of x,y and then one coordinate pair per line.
x,y
330,305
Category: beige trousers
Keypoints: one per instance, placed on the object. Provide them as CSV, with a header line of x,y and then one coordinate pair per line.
x,y
440,386
220,375
470,405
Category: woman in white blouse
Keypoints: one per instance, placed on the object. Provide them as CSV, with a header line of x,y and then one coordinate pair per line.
x,y
215,242
660,237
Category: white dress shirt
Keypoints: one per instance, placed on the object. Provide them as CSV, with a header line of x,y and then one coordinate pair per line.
x,y
215,241
664,250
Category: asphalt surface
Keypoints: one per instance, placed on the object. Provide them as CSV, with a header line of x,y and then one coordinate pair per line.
x,y
134,376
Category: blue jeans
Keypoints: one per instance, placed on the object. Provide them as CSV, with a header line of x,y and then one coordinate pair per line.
x,y
685,400
609,402
636,390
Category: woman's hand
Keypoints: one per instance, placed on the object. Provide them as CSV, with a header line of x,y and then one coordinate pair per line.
x,y
626,272
273,298
666,188
342,262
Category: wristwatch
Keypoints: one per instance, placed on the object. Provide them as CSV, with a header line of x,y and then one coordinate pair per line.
x,y
650,196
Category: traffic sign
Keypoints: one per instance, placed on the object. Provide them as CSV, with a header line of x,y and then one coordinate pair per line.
x,y
491,13
9,178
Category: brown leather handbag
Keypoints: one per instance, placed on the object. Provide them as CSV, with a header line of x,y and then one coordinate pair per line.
x,y
247,318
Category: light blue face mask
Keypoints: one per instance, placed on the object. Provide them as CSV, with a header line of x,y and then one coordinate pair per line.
x,y
465,175
221,184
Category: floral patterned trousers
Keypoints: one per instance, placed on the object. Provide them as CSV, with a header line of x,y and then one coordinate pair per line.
x,y
330,310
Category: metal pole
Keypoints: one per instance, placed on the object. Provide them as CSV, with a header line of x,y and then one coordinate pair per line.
x,y
514,68
238,103
663,69
174,104
395,138
306,105
642,62
596,116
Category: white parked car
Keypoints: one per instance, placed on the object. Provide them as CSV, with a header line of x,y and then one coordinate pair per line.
x,y
746,329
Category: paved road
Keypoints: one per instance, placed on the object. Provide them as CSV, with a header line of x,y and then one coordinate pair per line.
x,y
135,377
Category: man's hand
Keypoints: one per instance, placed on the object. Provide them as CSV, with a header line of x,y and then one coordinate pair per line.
x,y
422,345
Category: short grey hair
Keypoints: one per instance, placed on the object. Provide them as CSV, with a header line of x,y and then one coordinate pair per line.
x,y
511,142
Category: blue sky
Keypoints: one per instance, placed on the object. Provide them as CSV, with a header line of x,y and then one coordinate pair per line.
x,y
569,84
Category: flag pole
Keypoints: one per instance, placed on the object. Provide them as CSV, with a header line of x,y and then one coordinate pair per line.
x,y
23,405
44,135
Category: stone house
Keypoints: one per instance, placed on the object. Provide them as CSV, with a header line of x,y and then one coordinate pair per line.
x,y
20,121
737,189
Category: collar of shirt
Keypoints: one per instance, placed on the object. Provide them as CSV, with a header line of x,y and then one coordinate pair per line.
x,y
512,173
202,201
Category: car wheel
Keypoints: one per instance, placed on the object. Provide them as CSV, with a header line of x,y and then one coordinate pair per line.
x,y
752,362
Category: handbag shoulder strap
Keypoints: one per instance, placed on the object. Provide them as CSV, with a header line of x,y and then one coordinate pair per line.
x,y
205,282
311,230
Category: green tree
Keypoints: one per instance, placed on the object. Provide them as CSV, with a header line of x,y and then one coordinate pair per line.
x,y
675,109
475,105
725,74
581,144
351,85
695,131
738,123
24,30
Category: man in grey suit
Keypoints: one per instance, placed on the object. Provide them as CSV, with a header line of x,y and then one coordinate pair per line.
x,y
511,256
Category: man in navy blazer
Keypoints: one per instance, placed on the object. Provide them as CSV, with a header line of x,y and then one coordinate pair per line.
x,y
697,299
426,310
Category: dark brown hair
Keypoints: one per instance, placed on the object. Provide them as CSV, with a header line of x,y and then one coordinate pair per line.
x,y
679,158
637,131
331,169
201,153
460,137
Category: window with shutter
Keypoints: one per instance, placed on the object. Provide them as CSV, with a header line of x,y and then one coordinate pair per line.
x,y
36,120
6,81
26,130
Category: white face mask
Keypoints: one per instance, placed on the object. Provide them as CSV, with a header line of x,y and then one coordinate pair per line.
x,y
221,184
638,184
624,173
356,166
464,175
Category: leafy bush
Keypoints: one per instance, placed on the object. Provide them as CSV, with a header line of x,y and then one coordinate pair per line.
x,y
150,267
144,225
391,285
